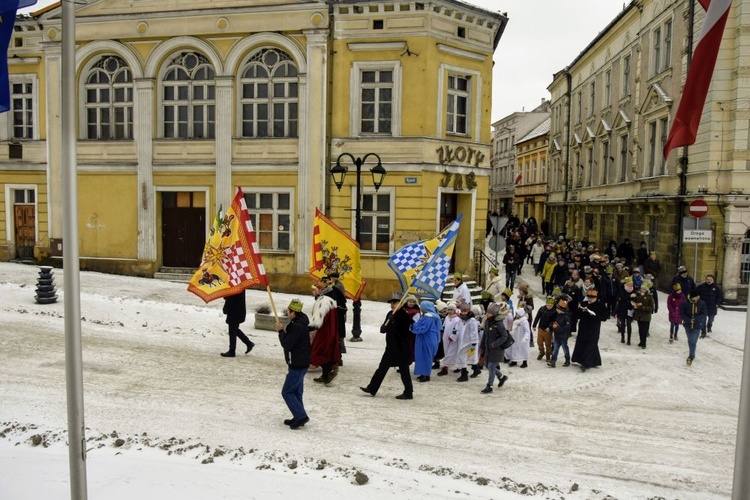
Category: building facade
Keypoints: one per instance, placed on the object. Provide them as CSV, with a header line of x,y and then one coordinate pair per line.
x,y
505,133
179,103
612,108
531,175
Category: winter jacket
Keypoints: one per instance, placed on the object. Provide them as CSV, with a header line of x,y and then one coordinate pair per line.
x,y
644,306
548,270
495,335
561,326
234,308
536,253
674,303
295,340
711,295
652,267
544,318
693,314
687,283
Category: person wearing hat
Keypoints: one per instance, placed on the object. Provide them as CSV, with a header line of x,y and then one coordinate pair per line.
x,y
686,282
399,350
338,293
494,338
519,352
560,332
324,329
236,311
461,292
674,304
427,335
637,278
547,273
624,310
543,324
452,336
469,345
295,340
536,253
712,295
694,313
641,255
512,261
493,288
643,308
442,310
505,296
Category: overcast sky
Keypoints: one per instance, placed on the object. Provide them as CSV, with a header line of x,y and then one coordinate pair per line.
x,y
542,37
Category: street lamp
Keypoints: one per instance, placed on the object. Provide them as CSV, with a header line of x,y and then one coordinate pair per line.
x,y
338,173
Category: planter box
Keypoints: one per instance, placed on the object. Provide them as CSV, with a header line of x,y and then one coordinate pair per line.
x,y
268,321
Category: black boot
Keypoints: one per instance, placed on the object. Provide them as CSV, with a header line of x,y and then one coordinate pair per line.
x,y
487,390
464,376
524,364
475,371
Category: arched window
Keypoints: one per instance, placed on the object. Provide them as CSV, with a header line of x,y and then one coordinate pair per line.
x,y
269,97
109,100
189,98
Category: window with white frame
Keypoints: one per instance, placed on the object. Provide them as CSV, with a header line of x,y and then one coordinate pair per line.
x,y
607,88
626,75
458,104
657,54
590,174
667,44
579,113
271,214
605,161
376,222
623,158
269,97
109,100
592,98
653,139
533,171
663,132
376,101
24,196
189,98
543,173
22,108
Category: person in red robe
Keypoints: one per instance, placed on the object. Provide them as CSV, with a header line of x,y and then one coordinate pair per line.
x,y
324,328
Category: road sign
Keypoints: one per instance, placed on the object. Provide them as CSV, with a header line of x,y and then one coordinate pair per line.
x,y
697,236
497,243
698,208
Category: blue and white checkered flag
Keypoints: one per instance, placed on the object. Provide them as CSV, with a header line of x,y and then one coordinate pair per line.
x,y
421,265
430,281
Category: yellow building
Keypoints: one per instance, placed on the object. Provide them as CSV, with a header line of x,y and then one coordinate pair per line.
x,y
531,176
179,103
612,108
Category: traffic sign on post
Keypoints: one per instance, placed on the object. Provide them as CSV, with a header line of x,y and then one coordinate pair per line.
x,y
698,208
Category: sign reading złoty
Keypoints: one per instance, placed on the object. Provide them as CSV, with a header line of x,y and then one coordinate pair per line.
x,y
697,236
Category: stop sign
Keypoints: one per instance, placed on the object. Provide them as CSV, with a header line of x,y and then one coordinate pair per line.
x,y
698,208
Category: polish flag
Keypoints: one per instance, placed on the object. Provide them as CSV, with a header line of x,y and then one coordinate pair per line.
x,y
688,116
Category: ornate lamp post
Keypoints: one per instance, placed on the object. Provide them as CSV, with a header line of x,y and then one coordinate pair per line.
x,y
338,172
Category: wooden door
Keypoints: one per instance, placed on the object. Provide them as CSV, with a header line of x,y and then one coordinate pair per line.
x,y
183,236
25,223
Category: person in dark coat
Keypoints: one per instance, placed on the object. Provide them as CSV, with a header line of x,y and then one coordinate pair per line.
x,y
561,331
335,290
495,335
323,325
710,294
398,349
593,313
624,311
641,255
686,282
295,340
693,312
234,308
626,251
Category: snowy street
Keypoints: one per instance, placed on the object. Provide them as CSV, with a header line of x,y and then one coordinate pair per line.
x,y
167,417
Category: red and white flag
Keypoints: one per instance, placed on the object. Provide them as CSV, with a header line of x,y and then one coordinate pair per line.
x,y
685,125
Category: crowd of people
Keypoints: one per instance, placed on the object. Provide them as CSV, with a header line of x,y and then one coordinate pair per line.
x,y
583,286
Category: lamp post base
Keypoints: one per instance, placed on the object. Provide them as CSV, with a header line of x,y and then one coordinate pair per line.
x,y
356,322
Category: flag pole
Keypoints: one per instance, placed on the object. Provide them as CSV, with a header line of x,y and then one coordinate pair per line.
x,y
741,483
71,264
273,306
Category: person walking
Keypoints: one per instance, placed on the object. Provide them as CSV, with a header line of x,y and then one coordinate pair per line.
x,y
494,287
543,325
674,305
495,336
234,308
398,350
561,332
625,309
643,308
452,334
469,340
713,297
461,292
519,352
323,326
593,314
693,312
686,282
427,332
295,340
512,261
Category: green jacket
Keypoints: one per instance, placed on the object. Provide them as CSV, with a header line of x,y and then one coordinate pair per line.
x,y
646,302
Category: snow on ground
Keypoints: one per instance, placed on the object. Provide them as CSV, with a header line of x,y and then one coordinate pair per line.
x,y
167,417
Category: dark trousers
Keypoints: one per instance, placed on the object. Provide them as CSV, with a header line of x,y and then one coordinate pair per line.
x,y
382,371
294,387
234,333
643,327
327,368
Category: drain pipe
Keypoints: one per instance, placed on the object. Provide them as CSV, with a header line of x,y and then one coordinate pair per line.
x,y
569,92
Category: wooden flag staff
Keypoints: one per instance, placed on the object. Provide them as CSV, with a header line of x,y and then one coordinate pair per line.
x,y
273,306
